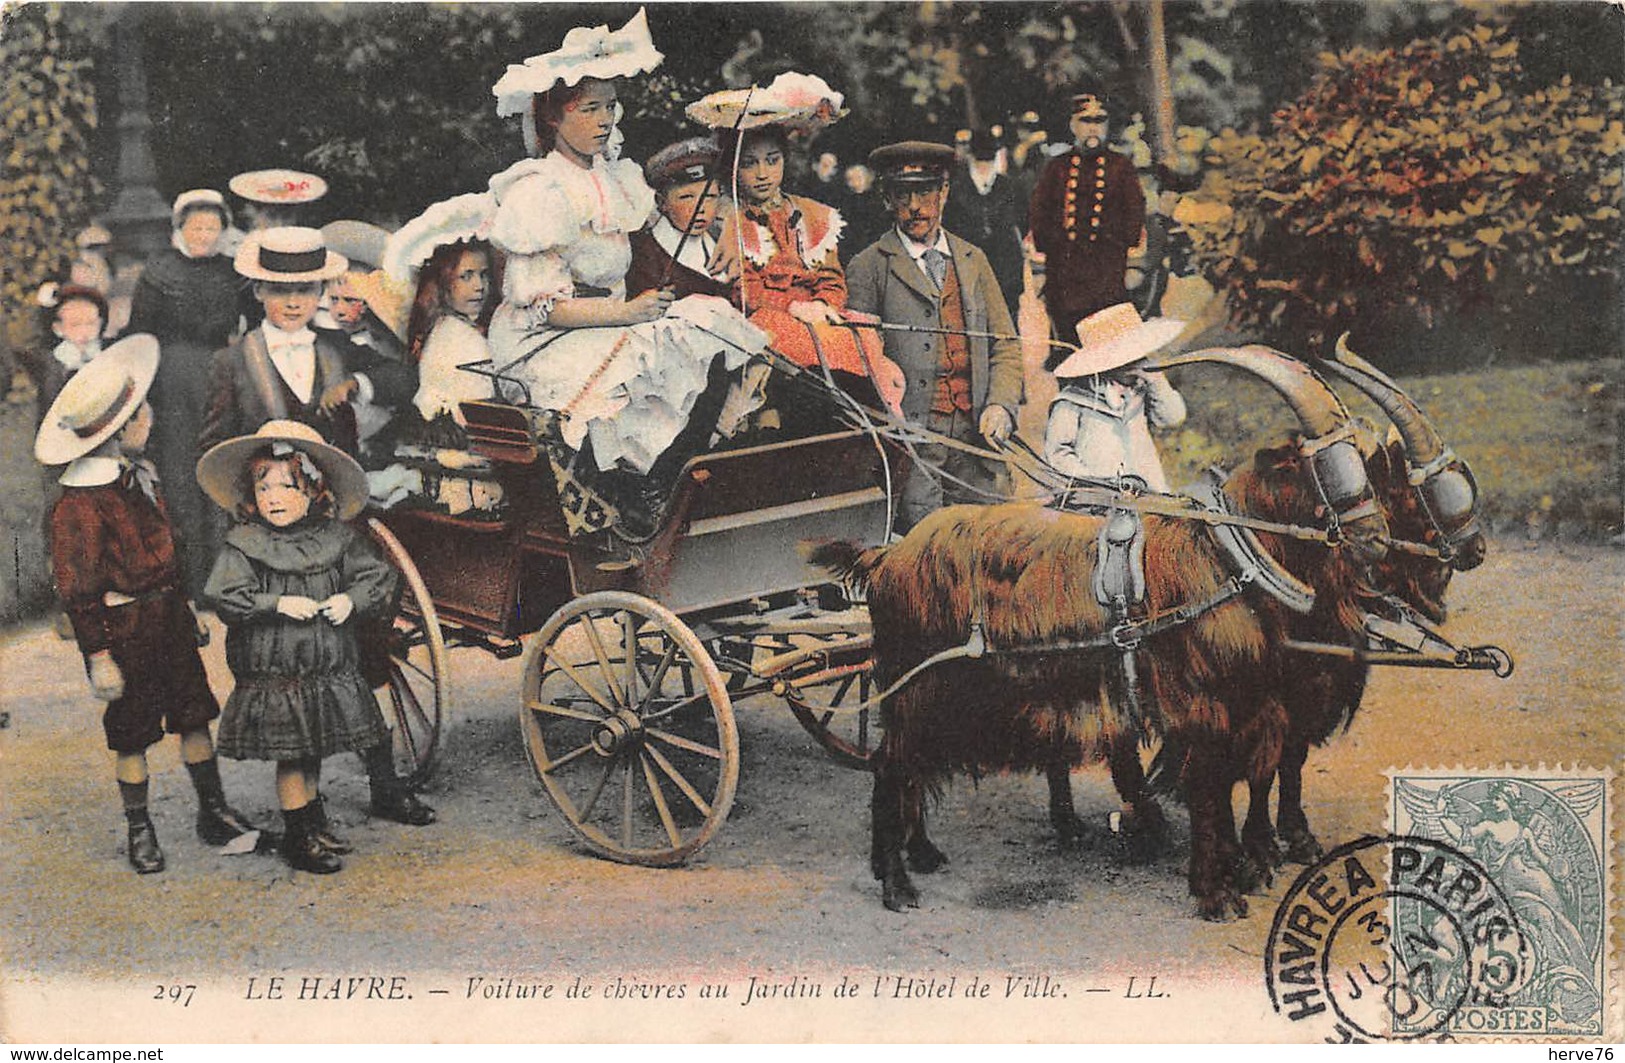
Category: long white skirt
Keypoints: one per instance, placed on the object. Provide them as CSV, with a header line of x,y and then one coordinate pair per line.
x,y
627,388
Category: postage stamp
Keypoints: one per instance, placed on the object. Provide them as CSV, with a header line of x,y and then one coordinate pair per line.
x,y
1539,843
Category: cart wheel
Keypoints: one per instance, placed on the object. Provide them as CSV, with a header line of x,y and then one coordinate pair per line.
x,y
838,680
419,679
628,723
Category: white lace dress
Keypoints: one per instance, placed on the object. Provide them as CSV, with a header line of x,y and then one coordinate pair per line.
x,y
442,384
629,389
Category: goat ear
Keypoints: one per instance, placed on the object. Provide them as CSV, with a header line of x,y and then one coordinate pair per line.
x,y
1276,459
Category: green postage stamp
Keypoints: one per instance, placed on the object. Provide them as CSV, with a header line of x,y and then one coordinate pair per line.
x,y
1501,924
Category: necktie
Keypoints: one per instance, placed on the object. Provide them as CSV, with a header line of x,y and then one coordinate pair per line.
x,y
936,266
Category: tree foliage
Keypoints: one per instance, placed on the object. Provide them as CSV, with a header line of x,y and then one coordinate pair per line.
x,y
1412,182
46,185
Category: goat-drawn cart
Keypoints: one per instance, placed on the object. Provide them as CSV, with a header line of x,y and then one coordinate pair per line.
x,y
631,673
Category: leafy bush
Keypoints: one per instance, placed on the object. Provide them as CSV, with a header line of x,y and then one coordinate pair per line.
x,y
46,186
1413,183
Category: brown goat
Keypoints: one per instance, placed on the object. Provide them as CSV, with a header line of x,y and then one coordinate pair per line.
x,y
1212,683
1322,693
1020,573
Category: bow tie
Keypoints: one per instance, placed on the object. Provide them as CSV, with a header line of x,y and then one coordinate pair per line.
x,y
140,476
277,340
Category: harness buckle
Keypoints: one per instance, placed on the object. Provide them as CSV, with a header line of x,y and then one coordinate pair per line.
x,y
1125,636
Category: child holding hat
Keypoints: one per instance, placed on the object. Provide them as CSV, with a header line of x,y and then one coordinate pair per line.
x,y
113,559
1100,422
292,583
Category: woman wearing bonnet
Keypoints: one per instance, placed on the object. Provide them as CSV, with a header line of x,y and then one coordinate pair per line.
x,y
189,297
623,375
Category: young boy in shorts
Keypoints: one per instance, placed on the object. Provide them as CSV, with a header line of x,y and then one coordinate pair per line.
x,y
113,558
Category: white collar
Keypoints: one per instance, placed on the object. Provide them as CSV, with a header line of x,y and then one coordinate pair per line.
x,y
92,470
696,252
917,251
74,357
275,337
983,172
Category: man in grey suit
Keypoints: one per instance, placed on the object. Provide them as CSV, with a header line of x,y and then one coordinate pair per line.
x,y
960,384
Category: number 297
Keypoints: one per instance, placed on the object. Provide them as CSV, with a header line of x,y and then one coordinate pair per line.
x,y
175,993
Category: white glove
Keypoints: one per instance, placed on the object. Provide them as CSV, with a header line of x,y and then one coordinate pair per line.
x,y
106,678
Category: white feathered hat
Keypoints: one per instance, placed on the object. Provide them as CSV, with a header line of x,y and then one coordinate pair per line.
x,y
587,52
464,217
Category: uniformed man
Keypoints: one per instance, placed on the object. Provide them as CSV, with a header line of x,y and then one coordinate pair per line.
x,y
960,382
1087,214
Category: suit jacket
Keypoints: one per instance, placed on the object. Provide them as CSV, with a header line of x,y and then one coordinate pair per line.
x,y
650,263
884,280
239,402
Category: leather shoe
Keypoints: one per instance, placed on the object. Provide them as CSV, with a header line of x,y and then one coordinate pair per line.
x,y
401,805
322,831
303,852
145,856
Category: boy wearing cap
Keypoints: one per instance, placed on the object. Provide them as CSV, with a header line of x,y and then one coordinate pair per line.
x,y
113,559
1087,213
686,193
961,382
78,316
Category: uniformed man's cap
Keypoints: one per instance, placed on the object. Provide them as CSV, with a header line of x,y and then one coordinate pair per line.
x,y
913,162
681,163
1089,105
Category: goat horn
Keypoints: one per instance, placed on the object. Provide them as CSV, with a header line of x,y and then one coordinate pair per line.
x,y
1317,406
1423,444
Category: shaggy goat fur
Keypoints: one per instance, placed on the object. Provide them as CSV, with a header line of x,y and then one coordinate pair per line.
x,y
1212,684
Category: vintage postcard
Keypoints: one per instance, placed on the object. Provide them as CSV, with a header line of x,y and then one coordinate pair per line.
x,y
811,523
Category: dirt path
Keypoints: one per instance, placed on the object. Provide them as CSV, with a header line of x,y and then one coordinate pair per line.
x,y
498,889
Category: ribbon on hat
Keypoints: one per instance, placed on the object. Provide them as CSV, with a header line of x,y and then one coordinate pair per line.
x,y
102,420
292,261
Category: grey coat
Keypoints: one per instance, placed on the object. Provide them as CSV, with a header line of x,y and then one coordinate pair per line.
x,y
884,280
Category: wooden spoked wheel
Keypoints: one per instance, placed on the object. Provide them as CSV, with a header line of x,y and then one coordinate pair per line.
x,y
417,697
628,724
821,699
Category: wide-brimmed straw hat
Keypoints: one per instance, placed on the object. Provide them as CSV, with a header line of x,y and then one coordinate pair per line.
x,y
291,254
802,103
220,471
587,52
360,242
1112,338
278,186
96,401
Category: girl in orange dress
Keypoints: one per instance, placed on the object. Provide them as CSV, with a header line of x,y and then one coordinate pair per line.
x,y
791,284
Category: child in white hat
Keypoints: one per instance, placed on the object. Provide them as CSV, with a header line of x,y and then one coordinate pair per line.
x,y
1100,422
113,558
